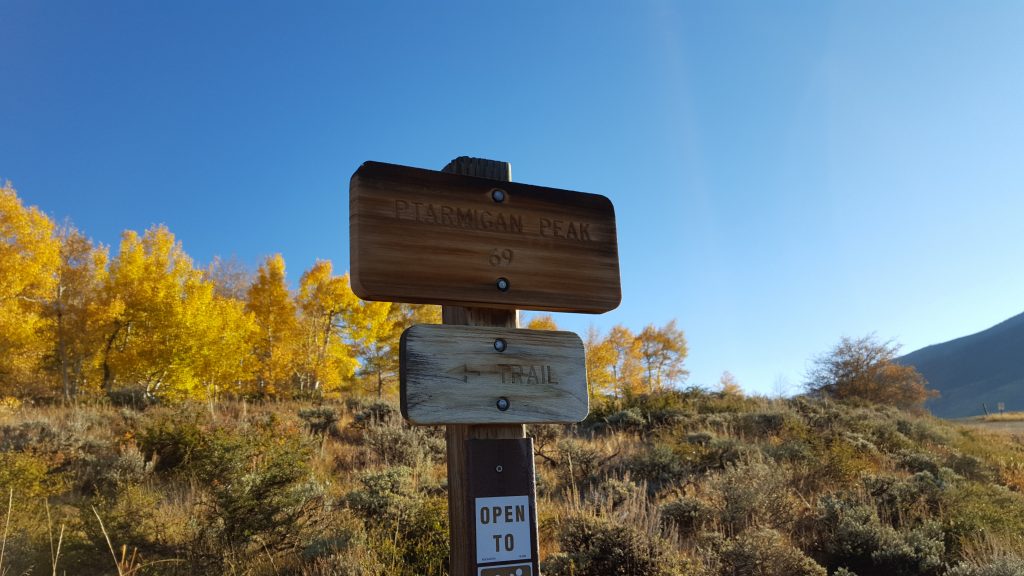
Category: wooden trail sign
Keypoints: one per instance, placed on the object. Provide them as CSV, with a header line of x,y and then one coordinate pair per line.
x,y
432,237
482,375
483,247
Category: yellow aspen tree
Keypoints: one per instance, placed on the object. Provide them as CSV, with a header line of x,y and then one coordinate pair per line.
x,y
729,386
542,322
29,258
662,351
75,347
419,314
601,360
626,368
326,302
375,329
225,334
374,332
271,304
149,295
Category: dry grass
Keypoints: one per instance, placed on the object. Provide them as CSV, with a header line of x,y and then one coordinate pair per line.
x,y
1004,417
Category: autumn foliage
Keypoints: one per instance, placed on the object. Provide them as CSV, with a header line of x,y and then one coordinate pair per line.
x,y
867,370
76,321
80,320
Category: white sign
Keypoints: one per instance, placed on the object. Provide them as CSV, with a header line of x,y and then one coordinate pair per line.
x,y
503,529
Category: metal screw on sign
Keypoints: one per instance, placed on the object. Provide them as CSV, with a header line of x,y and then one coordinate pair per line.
x,y
503,404
499,469
498,195
500,345
503,284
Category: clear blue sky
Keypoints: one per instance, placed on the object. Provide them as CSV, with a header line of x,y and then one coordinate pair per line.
x,y
784,173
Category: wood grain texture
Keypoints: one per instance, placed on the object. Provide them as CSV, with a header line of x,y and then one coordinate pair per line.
x,y
459,507
432,237
454,375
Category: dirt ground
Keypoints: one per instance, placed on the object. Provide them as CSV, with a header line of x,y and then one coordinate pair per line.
x,y
1013,427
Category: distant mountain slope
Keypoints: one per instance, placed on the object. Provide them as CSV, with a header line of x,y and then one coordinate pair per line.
x,y
987,367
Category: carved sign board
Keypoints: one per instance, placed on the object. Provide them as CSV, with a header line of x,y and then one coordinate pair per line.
x,y
430,237
483,375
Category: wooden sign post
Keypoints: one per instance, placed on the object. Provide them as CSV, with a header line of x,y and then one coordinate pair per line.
x,y
481,246
463,548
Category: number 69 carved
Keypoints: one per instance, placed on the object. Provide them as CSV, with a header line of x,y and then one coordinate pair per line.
x,y
500,257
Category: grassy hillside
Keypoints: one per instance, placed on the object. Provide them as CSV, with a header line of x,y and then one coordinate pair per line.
x,y
676,483
986,367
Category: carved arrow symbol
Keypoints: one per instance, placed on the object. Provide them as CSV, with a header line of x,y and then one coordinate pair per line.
x,y
466,371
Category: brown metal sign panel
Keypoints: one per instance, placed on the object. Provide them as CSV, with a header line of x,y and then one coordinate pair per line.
x,y
502,501
430,237
482,375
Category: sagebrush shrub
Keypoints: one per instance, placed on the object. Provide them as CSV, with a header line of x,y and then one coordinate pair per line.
x,y
375,414
403,445
614,492
760,425
320,420
593,546
170,439
658,466
408,529
973,510
855,538
686,515
907,501
765,552
752,493
1002,565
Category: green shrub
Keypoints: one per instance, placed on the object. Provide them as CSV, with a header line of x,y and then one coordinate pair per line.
x,y
28,475
686,515
579,462
917,552
974,511
408,530
375,414
907,501
170,439
261,488
855,538
628,420
658,466
593,546
851,533
765,552
613,492
1003,565
918,462
403,445
752,493
760,425
971,467
320,420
